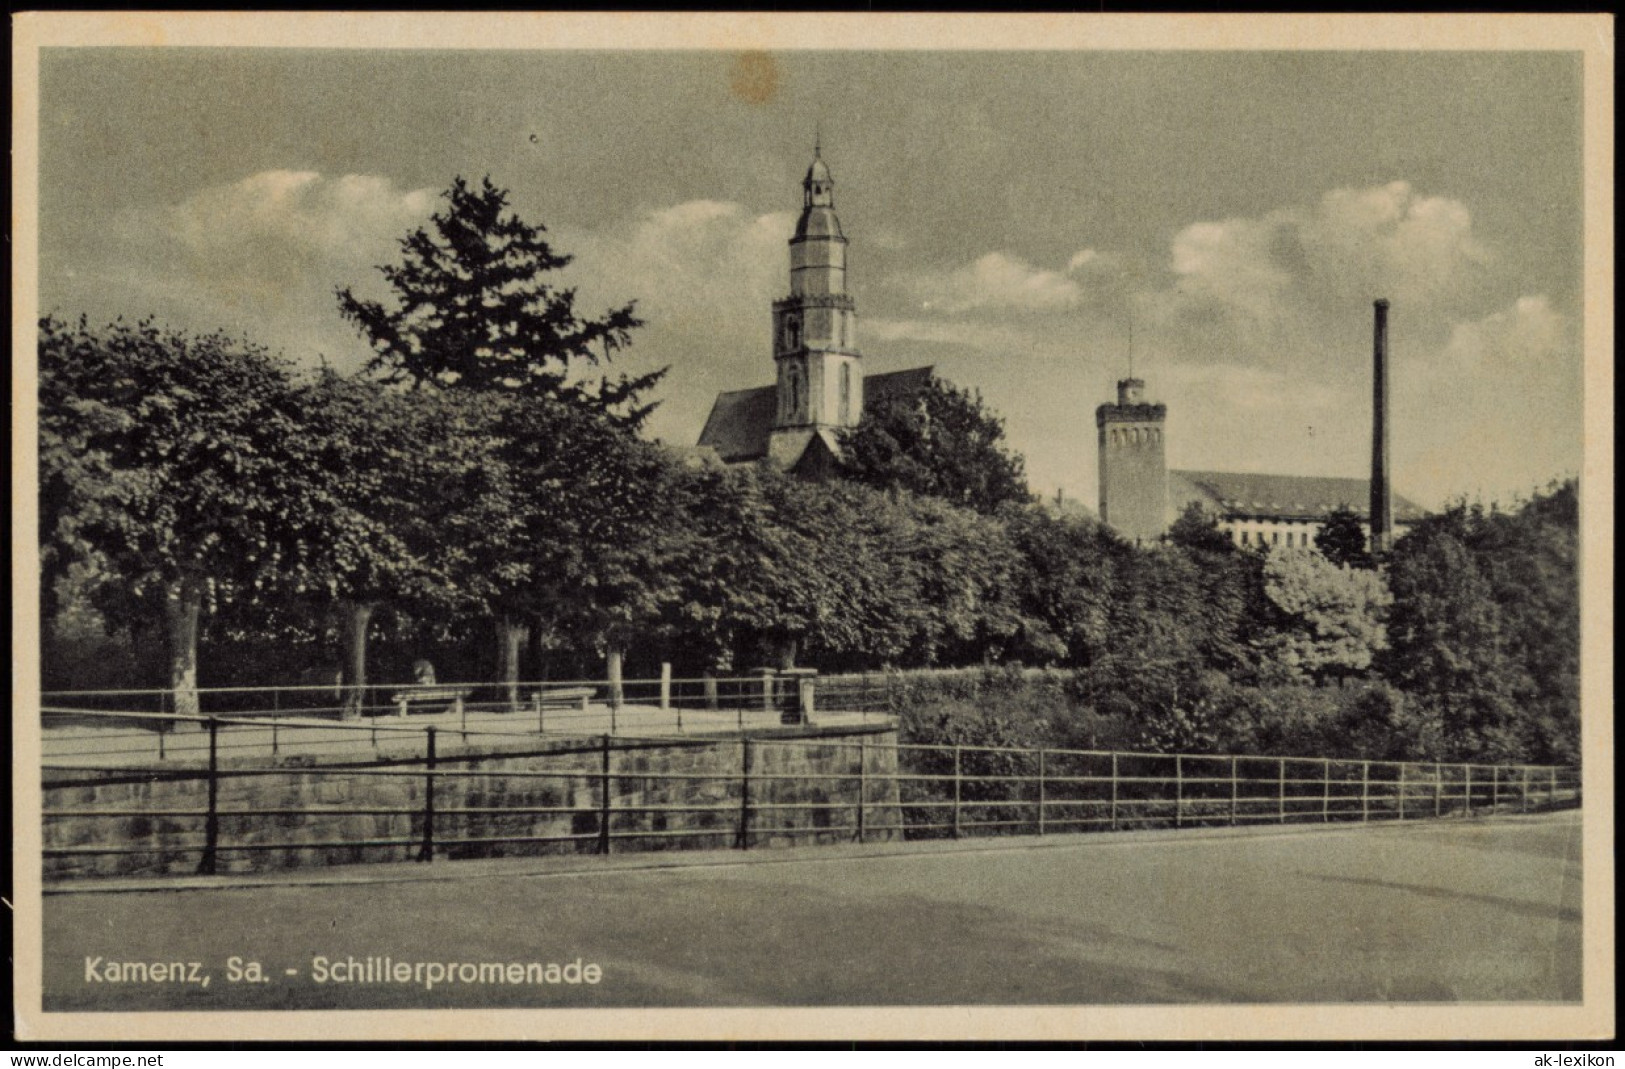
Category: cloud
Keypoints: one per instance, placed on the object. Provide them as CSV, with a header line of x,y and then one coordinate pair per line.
x,y
696,261
276,229
1351,246
986,337
996,281
1390,240
1528,334
259,257
703,274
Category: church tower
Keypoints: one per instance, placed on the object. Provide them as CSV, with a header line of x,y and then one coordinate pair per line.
x,y
1133,466
820,372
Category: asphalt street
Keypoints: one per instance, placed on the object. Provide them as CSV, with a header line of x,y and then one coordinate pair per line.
x,y
1457,911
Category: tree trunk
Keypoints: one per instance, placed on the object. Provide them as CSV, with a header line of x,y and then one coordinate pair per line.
x,y
183,604
512,632
710,689
617,694
357,618
787,653
538,650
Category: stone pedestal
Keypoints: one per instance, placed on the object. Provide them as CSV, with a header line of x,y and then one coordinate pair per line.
x,y
798,687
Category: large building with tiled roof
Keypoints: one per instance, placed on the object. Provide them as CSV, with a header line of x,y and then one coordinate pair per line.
x,y
1261,510
821,388
1140,496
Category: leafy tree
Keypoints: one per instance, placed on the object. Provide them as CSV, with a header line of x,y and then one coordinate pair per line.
x,y
174,463
543,516
951,580
1341,538
1198,529
1064,584
941,442
1327,621
817,585
474,311
1485,626
374,492
599,543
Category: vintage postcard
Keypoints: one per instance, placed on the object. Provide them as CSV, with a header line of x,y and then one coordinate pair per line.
x,y
663,527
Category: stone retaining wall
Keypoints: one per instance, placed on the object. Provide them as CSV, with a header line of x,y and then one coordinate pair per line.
x,y
155,817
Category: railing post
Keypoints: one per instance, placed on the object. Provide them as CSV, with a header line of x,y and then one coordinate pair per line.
x,y
744,794
211,821
1280,775
1468,793
1114,792
665,686
603,797
541,715
863,782
1495,787
426,852
1042,794
1402,790
1438,789
1234,791
956,792
1523,791
1365,791
1551,799
1326,790
1179,791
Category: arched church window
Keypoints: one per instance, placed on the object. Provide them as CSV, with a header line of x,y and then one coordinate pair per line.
x,y
792,332
846,392
792,393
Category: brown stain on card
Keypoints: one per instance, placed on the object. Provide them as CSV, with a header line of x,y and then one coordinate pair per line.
x,y
755,77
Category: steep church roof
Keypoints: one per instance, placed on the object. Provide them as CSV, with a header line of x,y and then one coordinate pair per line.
x,y
1281,497
741,421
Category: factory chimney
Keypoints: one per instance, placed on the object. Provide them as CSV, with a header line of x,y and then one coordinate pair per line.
x,y
1382,498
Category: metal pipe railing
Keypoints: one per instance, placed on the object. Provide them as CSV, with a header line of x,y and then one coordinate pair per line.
x,y
919,791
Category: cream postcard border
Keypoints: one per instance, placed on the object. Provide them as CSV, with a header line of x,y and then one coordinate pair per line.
x,y
1591,35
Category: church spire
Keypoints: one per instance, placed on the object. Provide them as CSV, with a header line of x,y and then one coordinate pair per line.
x,y
815,346
818,188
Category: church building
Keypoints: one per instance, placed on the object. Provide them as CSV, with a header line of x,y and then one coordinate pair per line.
x,y
821,388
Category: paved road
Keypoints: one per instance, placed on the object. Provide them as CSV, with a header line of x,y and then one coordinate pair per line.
x,y
1460,911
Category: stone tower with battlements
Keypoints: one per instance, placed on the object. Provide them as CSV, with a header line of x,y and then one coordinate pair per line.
x,y
820,371
1133,464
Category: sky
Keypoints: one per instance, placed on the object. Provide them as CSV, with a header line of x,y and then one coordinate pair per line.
x,y
1028,223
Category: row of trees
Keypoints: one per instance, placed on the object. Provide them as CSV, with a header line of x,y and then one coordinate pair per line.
x,y
479,487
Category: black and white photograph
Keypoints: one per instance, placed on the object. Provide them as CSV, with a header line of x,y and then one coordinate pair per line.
x,y
844,526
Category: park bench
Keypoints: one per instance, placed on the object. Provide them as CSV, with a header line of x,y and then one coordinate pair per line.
x,y
404,700
574,697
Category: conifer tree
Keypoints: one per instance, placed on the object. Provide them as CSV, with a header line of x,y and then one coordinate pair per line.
x,y
474,311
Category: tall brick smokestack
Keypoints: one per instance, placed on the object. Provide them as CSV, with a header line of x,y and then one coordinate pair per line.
x,y
1382,497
